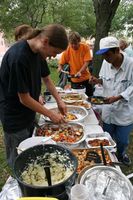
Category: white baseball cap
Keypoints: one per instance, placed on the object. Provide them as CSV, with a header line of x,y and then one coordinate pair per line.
x,y
106,44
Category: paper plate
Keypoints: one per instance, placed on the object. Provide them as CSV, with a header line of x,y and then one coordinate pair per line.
x,y
32,141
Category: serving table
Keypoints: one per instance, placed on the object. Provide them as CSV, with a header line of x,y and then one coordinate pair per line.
x,y
91,126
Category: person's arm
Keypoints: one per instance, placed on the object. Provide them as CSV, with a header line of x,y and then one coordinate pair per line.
x,y
32,104
113,99
94,80
51,88
83,68
60,67
63,60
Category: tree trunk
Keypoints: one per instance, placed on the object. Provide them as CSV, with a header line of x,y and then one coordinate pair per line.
x,y
104,12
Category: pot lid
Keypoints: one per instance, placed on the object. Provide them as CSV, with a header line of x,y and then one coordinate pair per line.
x,y
107,183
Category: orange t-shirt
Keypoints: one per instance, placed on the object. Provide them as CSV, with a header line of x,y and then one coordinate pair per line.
x,y
76,59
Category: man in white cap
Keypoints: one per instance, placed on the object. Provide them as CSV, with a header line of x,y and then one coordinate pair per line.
x,y
116,76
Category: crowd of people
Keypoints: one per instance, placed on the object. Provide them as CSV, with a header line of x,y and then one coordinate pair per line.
x,y
24,66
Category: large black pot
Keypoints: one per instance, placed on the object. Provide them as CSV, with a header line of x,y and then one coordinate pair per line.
x,y
31,154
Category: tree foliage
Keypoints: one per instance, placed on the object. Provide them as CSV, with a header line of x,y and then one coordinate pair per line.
x,y
123,19
76,15
88,17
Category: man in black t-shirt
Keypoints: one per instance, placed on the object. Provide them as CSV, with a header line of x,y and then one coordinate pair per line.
x,y
21,71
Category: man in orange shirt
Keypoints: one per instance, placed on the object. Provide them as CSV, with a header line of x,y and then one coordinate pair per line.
x,y
78,57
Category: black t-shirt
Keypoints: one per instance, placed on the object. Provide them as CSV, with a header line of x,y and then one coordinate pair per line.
x,y
20,72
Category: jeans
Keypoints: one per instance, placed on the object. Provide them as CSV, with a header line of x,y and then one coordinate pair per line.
x,y
121,135
12,140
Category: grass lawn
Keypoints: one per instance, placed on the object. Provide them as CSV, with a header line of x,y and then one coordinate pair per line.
x,y
5,171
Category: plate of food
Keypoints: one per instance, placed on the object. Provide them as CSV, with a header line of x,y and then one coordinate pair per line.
x,y
70,134
84,104
98,100
95,142
73,97
74,113
91,156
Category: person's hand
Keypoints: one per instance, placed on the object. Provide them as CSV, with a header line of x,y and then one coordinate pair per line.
x,y
109,100
78,74
62,107
57,118
41,100
93,80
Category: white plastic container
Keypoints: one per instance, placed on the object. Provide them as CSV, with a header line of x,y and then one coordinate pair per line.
x,y
79,91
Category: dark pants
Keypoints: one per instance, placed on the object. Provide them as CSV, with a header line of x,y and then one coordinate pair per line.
x,y
12,140
121,135
86,84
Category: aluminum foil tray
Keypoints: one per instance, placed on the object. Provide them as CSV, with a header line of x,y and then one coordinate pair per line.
x,y
50,129
107,183
111,142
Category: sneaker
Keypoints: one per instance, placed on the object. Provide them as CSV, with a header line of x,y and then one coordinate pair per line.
x,y
125,160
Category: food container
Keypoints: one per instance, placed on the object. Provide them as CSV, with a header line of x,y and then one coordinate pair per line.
x,y
73,97
32,141
97,100
59,89
105,182
83,161
84,104
95,142
39,155
49,97
79,91
69,134
80,113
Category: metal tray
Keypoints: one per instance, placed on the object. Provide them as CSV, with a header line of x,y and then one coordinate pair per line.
x,y
85,104
111,145
79,112
71,97
81,156
55,127
105,182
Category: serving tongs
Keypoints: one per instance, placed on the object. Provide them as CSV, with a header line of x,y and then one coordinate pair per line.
x,y
103,154
93,156
104,159
38,126
69,75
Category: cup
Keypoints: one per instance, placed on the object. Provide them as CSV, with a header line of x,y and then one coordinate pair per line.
x,y
79,192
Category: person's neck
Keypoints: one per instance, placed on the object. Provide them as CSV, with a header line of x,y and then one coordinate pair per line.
x,y
33,45
117,63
